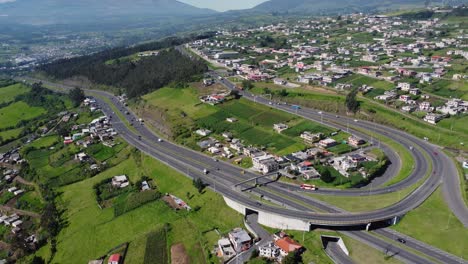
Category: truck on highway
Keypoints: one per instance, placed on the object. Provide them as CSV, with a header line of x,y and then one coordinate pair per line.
x,y
311,187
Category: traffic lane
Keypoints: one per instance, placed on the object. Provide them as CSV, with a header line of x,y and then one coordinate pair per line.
x,y
387,248
419,246
337,254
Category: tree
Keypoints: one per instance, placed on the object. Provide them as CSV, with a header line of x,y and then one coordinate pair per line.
x,y
77,96
352,103
199,184
37,260
283,93
247,84
292,258
325,176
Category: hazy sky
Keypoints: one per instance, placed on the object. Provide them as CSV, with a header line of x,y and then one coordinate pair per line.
x,y
220,5
223,5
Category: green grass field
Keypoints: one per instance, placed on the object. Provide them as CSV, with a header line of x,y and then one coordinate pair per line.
x,y
359,80
9,134
446,232
364,203
8,93
92,232
16,112
45,142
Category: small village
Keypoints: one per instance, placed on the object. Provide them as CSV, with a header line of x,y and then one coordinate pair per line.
x,y
413,66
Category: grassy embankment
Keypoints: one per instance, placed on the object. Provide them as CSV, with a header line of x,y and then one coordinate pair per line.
x,y
92,231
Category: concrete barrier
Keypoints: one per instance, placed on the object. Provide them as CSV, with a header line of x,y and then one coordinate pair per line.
x,y
270,219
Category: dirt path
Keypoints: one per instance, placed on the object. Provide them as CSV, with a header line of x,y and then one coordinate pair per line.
x,y
9,209
23,181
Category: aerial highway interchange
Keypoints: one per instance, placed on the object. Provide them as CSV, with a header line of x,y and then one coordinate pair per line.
x,y
432,167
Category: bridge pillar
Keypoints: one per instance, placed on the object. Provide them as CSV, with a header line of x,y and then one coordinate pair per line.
x,y
256,181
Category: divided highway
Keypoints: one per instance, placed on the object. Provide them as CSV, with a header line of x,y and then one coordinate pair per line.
x,y
223,176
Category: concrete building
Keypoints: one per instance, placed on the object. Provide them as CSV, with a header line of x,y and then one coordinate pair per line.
x,y
269,251
280,127
265,164
240,239
327,143
225,249
310,137
433,118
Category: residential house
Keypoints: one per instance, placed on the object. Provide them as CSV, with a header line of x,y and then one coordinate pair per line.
x,y
279,81
404,98
327,143
265,164
280,127
114,259
240,239
415,91
269,251
310,137
408,108
225,249
203,132
288,245
120,181
426,107
355,141
433,118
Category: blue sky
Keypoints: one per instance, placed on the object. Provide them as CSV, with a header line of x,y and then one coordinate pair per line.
x,y
223,5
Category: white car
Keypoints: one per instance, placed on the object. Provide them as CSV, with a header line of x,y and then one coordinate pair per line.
x,y
160,140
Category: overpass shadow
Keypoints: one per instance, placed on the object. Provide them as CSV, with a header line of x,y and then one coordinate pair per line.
x,y
373,226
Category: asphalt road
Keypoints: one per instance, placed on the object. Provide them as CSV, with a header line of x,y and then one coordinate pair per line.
x,y
192,164
337,254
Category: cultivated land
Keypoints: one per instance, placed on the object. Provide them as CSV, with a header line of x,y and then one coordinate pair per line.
x,y
92,232
254,126
14,113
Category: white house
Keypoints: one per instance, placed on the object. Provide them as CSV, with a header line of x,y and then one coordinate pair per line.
x,y
265,164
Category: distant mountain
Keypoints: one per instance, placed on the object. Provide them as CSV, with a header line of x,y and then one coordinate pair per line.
x,y
41,12
336,6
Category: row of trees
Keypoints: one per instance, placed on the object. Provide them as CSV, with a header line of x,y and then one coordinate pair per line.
x,y
135,77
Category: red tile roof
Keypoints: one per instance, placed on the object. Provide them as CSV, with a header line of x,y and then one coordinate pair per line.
x,y
287,244
114,258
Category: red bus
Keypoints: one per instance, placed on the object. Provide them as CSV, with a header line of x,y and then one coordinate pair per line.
x,y
308,187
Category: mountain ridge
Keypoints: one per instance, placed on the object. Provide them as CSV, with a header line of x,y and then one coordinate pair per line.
x,y
337,6
65,11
